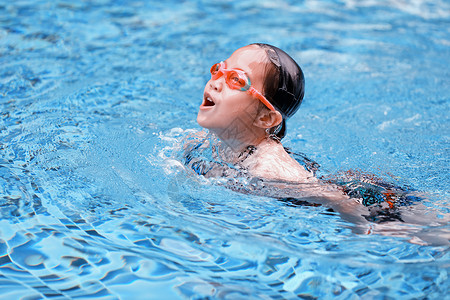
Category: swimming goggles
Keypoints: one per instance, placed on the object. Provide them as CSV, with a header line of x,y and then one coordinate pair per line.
x,y
238,80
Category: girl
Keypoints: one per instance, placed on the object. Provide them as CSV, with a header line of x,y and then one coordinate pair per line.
x,y
246,104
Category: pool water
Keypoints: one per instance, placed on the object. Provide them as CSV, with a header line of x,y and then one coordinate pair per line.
x,y
96,97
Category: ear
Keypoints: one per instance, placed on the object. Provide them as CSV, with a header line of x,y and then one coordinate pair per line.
x,y
268,119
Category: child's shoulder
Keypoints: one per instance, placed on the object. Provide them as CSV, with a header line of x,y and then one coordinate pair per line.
x,y
271,161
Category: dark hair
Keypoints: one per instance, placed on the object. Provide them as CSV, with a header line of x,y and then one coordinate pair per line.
x,y
284,85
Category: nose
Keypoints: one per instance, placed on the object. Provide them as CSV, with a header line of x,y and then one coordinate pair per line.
x,y
216,84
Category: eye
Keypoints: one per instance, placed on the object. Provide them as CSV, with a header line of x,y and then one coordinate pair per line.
x,y
235,80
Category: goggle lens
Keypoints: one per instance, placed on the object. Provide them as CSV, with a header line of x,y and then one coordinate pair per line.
x,y
215,68
235,81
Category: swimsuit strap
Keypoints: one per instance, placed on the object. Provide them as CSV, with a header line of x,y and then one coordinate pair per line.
x,y
246,153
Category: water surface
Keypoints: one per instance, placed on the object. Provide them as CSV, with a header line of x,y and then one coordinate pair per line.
x,y
95,96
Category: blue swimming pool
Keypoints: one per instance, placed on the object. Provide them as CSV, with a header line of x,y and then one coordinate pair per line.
x,y
96,96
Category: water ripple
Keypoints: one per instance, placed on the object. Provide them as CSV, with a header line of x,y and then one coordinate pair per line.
x,y
91,207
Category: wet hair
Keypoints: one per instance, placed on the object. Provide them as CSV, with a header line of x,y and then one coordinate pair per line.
x,y
284,85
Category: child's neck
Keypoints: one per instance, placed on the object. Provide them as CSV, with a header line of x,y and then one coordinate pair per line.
x,y
238,137
241,144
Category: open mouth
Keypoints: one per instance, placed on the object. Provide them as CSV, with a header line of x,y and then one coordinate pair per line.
x,y
207,101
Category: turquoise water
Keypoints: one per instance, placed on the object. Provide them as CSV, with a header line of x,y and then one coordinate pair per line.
x,y
95,97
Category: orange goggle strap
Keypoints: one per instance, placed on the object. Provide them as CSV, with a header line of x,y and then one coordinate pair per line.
x,y
252,91
217,73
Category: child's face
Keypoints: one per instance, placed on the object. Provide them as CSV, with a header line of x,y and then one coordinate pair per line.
x,y
224,108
